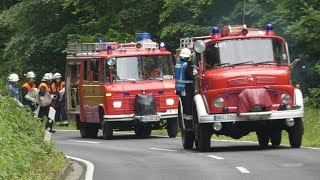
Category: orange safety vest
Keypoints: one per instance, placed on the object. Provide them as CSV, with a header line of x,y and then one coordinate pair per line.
x,y
56,88
27,85
45,85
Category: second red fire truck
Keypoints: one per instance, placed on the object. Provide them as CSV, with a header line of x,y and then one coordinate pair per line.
x,y
121,86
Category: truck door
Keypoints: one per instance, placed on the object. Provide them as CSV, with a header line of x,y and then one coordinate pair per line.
x,y
92,90
72,87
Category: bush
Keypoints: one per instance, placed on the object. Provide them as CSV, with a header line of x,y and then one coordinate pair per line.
x,y
23,152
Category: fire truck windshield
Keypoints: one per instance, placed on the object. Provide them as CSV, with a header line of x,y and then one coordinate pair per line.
x,y
141,68
245,51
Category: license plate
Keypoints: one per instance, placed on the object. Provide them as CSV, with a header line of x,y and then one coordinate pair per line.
x,y
225,117
149,118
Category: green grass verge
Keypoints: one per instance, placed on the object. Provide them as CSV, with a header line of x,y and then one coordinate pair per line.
x,y
310,137
23,152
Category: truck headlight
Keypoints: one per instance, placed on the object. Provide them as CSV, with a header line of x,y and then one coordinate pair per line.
x,y
285,98
117,104
169,101
218,103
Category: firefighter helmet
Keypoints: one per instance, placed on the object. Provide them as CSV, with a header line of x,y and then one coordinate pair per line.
x,y
185,53
30,74
13,77
47,77
57,75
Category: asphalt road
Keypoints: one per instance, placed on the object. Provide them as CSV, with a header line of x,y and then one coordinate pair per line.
x,y
130,158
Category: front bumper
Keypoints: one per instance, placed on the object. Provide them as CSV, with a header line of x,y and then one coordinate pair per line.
x,y
251,116
170,113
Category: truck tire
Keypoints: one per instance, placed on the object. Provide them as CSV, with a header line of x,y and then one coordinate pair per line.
x,y
172,127
203,140
263,138
107,130
276,136
83,130
89,130
295,133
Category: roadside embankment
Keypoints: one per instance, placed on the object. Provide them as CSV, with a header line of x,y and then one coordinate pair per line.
x,y
23,152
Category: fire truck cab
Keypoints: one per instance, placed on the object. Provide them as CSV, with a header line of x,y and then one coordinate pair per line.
x,y
244,86
121,86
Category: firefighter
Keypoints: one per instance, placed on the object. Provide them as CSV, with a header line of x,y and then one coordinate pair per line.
x,y
28,100
12,85
45,99
184,70
58,90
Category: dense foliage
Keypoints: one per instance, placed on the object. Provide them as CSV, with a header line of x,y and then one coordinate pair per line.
x,y
23,152
34,33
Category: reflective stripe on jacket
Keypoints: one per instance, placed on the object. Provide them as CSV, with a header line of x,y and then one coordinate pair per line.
x,y
28,86
56,88
180,69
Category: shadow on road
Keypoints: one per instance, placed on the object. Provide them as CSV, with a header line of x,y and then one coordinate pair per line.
x,y
237,148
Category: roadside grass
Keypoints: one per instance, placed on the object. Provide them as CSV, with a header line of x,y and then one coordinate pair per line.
x,y
310,137
24,154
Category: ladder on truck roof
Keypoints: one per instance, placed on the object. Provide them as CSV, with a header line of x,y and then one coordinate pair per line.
x,y
186,42
87,48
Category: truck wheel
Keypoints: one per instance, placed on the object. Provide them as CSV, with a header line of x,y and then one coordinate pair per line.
x,y
88,130
276,137
203,140
83,130
107,130
93,130
263,138
295,133
172,127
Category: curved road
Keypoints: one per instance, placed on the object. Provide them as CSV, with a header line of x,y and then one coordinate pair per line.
x,y
130,158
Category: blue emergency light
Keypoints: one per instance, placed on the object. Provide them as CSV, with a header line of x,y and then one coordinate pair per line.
x,y
215,30
142,36
269,27
100,40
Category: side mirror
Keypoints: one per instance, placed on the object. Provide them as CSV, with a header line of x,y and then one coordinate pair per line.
x,y
199,46
293,64
111,61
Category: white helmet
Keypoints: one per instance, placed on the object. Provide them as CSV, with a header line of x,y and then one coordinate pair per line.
x,y
30,74
47,77
185,53
57,75
13,77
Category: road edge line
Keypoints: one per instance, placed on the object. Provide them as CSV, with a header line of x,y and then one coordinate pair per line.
x,y
89,165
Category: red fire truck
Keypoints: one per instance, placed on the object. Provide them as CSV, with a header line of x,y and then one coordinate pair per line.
x,y
121,86
243,86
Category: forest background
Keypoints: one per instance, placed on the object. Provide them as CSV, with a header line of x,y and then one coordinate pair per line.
x,y
35,33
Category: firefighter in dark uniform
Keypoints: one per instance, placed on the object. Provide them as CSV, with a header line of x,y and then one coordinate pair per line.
x,y
58,90
27,100
45,102
184,70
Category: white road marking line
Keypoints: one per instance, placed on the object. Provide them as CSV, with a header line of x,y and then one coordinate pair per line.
x,y
90,142
215,157
90,167
169,150
66,130
243,170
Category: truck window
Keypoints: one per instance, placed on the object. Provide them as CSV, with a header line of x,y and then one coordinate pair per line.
x,y
85,71
237,51
95,69
141,68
